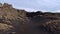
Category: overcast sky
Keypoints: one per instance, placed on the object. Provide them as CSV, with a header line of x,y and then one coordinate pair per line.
x,y
31,5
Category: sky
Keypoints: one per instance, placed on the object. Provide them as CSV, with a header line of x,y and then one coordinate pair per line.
x,y
33,5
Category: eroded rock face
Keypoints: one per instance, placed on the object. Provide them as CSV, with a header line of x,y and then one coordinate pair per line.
x,y
15,21
52,26
5,28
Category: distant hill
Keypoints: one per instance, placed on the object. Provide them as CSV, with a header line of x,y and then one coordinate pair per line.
x,y
18,21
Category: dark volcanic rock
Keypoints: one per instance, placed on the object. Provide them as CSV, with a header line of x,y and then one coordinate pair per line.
x,y
15,21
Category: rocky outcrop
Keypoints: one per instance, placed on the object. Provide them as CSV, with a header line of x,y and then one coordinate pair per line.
x,y
15,21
